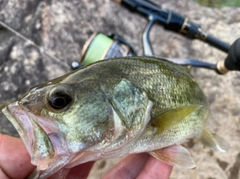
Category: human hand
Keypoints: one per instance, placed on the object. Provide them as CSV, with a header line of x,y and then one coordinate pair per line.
x,y
15,164
140,166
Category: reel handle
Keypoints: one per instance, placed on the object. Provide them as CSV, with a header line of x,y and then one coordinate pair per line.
x,y
232,62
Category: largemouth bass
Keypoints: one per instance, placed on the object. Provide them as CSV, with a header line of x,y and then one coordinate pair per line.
x,y
109,109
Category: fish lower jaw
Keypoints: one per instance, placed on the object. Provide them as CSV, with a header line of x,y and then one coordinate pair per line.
x,y
28,130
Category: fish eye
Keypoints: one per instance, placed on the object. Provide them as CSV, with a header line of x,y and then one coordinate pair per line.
x,y
59,99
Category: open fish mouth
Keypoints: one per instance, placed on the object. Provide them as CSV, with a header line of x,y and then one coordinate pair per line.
x,y
41,136
22,123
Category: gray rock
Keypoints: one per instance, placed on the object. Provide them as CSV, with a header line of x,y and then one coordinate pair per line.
x,y
62,27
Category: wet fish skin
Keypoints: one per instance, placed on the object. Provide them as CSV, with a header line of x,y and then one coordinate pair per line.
x,y
117,107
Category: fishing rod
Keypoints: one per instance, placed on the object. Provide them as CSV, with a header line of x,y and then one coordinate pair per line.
x,y
116,46
175,22
170,21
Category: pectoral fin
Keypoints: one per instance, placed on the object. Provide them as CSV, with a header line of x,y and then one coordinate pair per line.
x,y
214,141
175,155
172,117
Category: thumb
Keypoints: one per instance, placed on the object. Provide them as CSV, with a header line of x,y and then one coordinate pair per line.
x,y
15,161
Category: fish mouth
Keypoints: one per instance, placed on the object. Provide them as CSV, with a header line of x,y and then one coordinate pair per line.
x,y
40,135
22,123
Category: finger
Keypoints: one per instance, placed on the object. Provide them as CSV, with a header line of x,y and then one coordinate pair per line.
x,y
14,158
80,171
129,167
155,169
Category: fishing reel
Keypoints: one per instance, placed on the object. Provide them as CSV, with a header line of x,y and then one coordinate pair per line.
x,y
100,46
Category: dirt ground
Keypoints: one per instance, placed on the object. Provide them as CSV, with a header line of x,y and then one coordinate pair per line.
x,y
63,26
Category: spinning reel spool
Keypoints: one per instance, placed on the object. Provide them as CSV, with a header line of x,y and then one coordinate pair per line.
x,y
100,46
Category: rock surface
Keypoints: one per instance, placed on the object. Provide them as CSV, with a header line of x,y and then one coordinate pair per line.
x,y
62,27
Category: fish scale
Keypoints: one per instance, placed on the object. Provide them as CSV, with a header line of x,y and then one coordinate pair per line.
x,y
149,75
